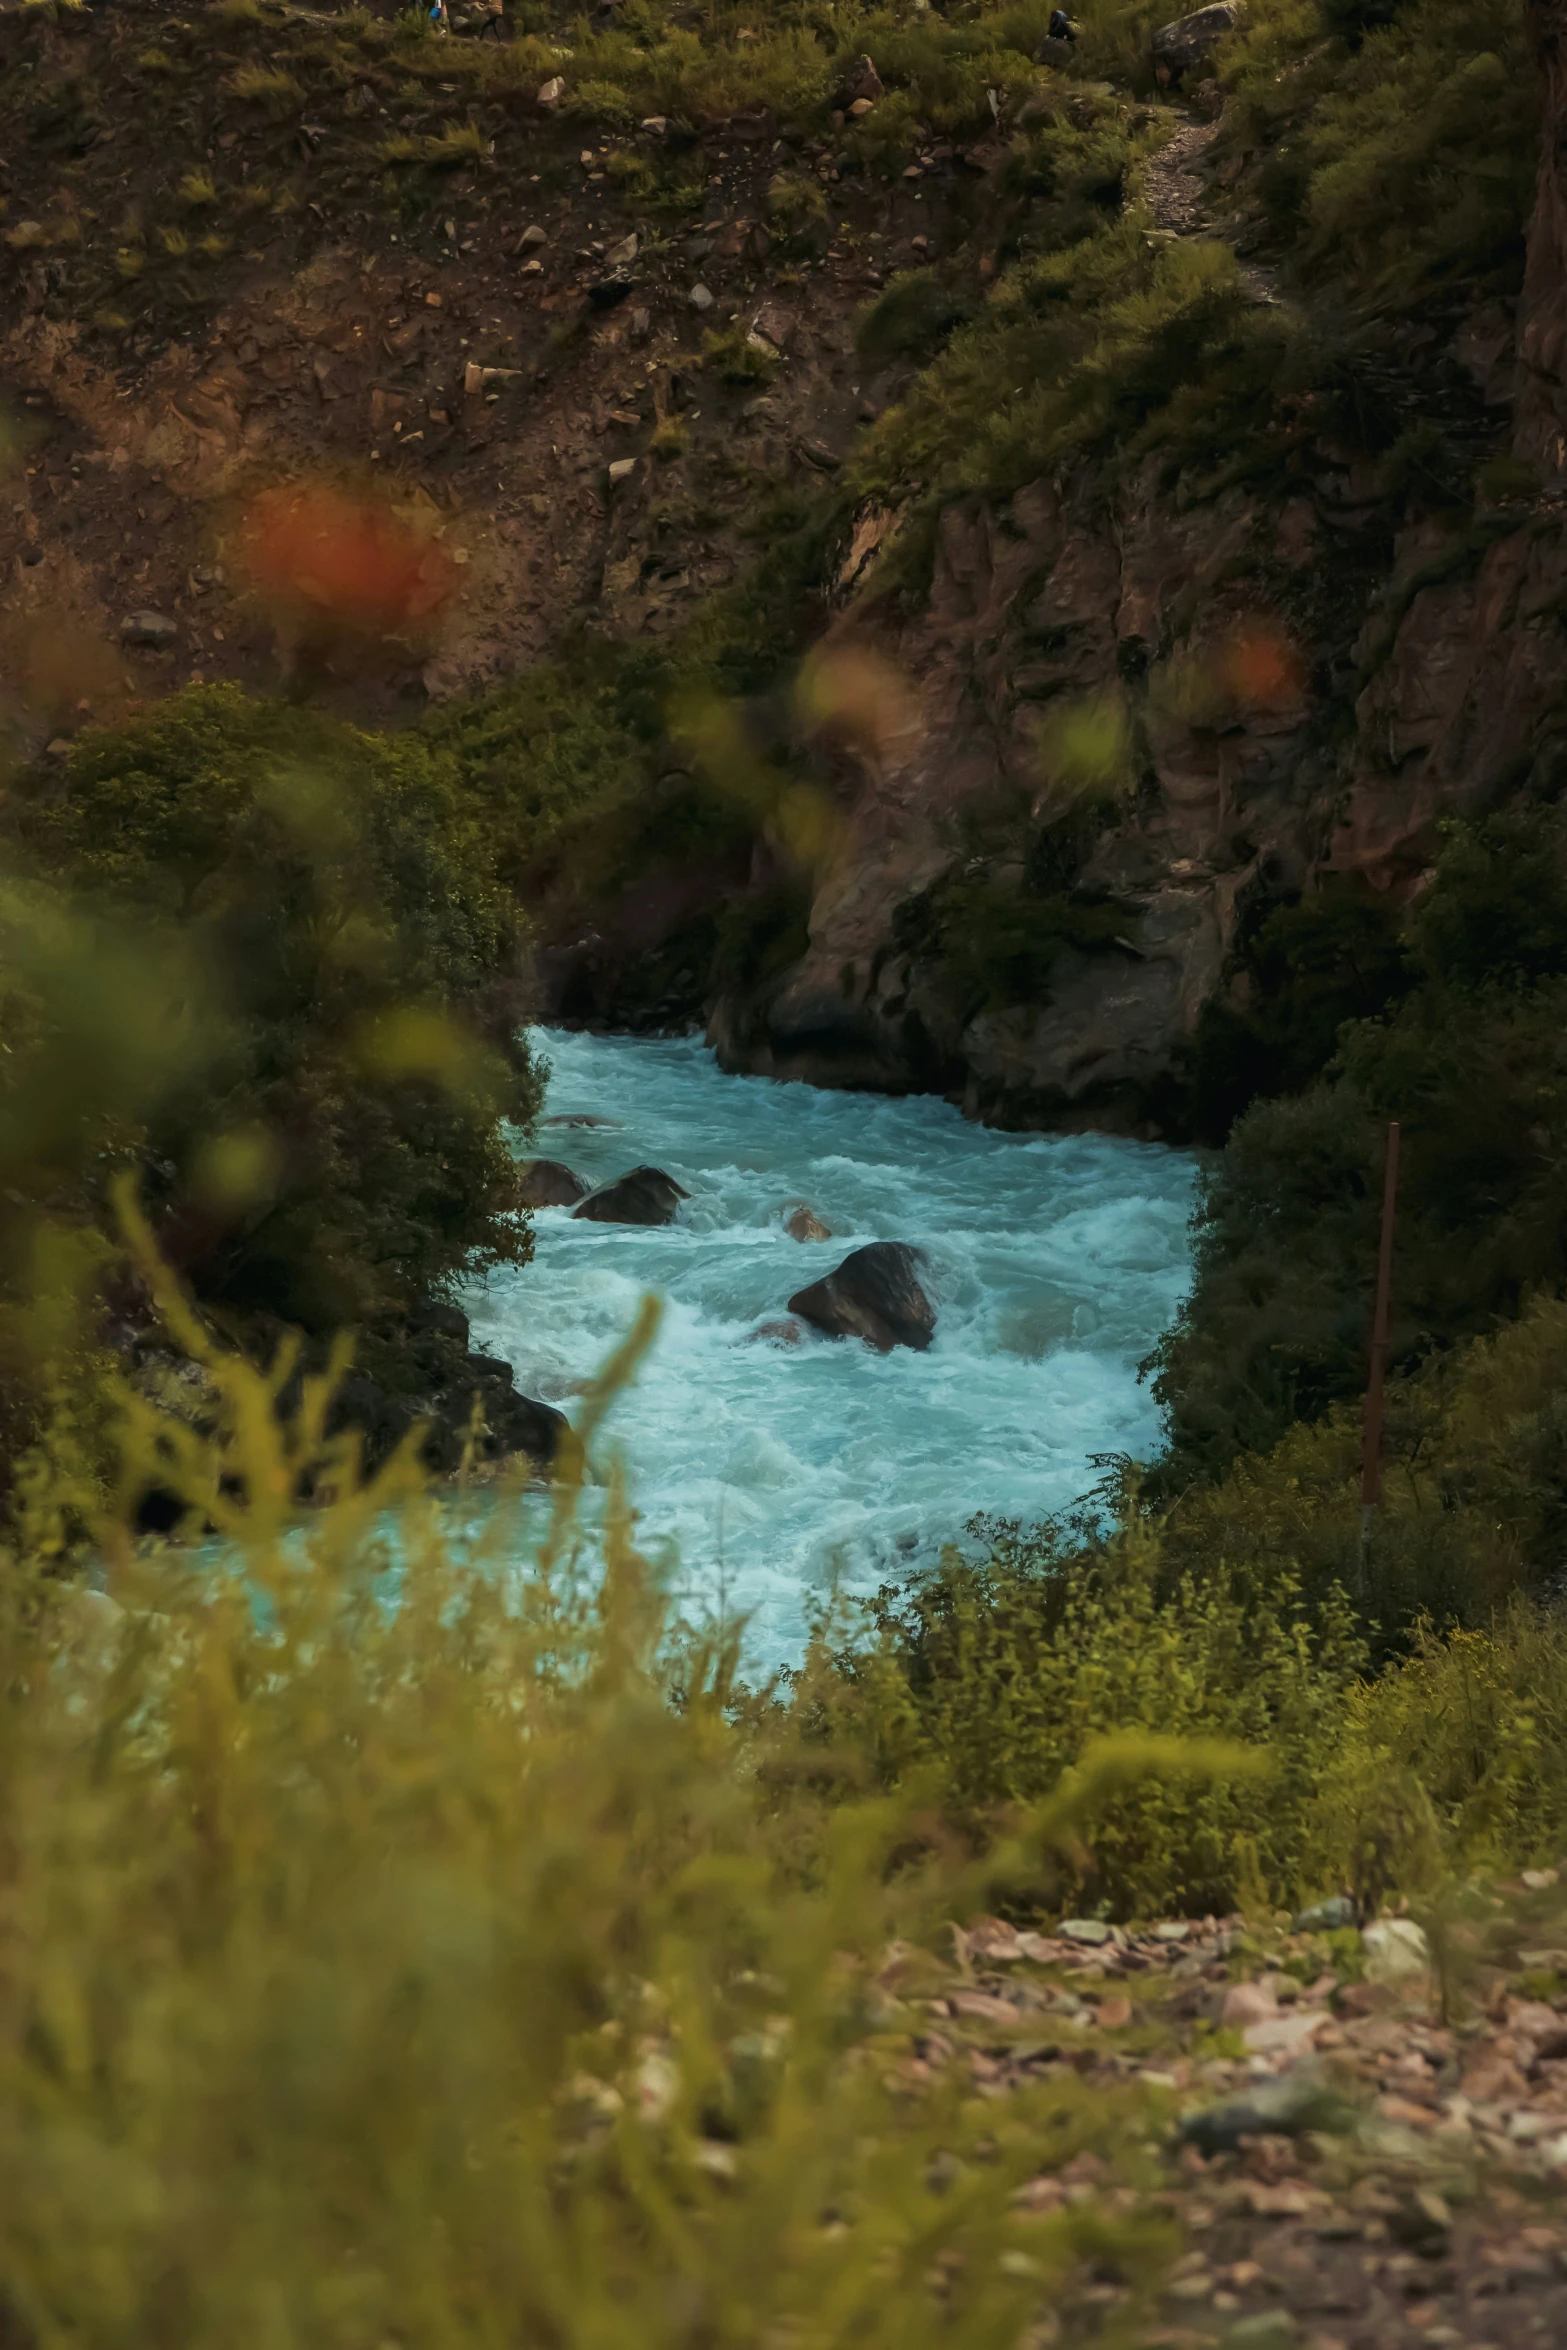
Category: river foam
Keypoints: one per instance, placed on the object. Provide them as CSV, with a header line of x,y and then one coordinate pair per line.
x,y
764,1472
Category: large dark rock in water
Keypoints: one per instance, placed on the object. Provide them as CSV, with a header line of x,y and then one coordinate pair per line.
x,y
646,1196
874,1295
508,1423
550,1183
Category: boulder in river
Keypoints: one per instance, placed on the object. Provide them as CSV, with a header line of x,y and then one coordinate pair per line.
x,y
803,1223
550,1183
783,1332
874,1295
644,1196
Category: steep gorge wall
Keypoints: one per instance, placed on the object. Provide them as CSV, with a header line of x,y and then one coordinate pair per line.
x,y
1418,668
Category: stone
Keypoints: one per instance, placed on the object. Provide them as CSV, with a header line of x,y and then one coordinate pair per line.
x,y
1192,40
1285,2035
1051,52
621,471
1091,1931
645,1195
606,293
860,88
533,235
1326,1917
700,298
1267,2329
802,1223
481,379
860,108
873,1295
778,1333
1396,1951
148,628
1247,2003
622,255
1284,2108
656,123
550,1183
552,91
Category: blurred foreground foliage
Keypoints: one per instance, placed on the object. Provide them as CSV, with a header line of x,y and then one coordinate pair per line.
x,y
413,1932
404,1942
269,964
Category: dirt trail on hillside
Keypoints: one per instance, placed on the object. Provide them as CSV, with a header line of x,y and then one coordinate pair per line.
x,y
1179,200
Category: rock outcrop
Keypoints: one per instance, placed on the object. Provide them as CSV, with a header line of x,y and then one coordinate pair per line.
x,y
1191,41
875,1294
803,1223
550,1183
646,1195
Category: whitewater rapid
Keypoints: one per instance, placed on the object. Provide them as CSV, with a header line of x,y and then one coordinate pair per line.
x,y
765,1473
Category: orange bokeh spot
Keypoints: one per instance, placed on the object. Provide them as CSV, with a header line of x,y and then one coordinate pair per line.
x,y
344,558
1260,669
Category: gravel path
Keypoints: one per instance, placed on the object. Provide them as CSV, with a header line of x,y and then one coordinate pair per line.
x,y
1178,198
1352,2168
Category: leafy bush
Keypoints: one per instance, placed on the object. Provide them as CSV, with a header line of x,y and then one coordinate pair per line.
x,y
330,1152
1473,1509
909,319
991,1679
1406,159
1110,344
426,1944
739,357
1471,1063
989,946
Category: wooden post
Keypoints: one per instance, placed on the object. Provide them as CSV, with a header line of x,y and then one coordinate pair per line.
x,y
1381,1316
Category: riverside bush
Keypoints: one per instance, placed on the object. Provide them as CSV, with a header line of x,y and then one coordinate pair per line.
x,y
993,1678
1471,1063
987,1682
403,1942
1474,1503
333,1152
418,1931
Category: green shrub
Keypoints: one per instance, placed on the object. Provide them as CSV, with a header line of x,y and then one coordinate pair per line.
x,y
1404,162
339,896
1474,1502
990,946
796,207
739,357
398,1942
992,1678
910,318
1471,1062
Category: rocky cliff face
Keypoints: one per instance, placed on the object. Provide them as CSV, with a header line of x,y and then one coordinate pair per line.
x,y
1313,678
1311,683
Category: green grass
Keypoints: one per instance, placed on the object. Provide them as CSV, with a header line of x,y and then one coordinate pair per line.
x,y
269,85
1398,167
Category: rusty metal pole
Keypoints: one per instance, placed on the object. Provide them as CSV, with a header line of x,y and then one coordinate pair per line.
x,y
1381,1316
